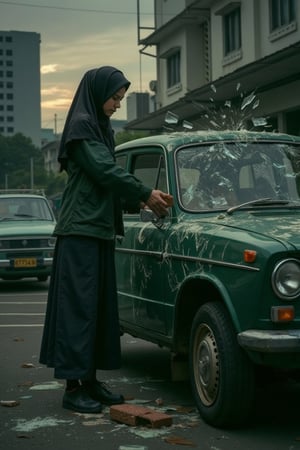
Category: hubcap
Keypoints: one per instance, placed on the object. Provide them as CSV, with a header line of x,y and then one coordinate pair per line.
x,y
206,365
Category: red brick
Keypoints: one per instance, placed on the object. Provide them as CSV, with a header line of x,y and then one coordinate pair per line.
x,y
139,415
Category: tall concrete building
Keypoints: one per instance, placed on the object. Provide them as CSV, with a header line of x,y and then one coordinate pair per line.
x,y
20,85
137,105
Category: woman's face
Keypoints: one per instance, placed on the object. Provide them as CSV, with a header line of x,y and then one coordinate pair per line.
x,y
113,103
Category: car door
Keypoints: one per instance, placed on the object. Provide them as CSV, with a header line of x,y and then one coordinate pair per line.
x,y
140,270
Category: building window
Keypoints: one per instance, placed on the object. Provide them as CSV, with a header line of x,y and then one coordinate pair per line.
x,y
1,129
173,69
1,73
1,119
232,31
9,96
9,73
283,12
9,52
9,63
8,39
9,84
10,129
10,119
1,84
10,107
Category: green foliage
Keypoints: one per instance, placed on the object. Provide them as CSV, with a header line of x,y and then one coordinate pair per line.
x,y
56,183
22,163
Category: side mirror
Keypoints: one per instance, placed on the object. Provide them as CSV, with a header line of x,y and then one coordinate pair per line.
x,y
146,215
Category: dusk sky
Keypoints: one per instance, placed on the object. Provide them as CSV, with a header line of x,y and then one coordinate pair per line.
x,y
77,36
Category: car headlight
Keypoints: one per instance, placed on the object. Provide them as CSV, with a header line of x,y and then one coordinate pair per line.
x,y
286,279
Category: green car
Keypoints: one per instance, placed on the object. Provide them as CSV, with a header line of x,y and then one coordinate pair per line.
x,y
217,281
26,242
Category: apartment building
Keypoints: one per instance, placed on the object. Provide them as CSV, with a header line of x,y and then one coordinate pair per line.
x,y
20,86
211,55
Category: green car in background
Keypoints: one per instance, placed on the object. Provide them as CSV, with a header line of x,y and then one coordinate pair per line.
x,y
217,281
27,222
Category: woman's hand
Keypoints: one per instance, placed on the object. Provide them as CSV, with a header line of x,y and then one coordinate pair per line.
x,y
158,202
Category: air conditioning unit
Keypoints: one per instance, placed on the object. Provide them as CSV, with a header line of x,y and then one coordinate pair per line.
x,y
153,85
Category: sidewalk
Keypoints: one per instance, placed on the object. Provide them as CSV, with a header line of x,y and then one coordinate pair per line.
x,y
39,422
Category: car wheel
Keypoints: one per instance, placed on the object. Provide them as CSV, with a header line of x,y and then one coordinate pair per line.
x,y
42,278
222,375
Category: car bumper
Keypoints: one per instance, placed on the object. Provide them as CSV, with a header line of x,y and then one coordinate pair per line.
x,y
270,341
41,262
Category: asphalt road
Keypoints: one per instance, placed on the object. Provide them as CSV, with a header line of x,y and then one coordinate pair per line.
x,y
39,422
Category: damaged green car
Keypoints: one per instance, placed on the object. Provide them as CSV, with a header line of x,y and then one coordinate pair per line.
x,y
218,280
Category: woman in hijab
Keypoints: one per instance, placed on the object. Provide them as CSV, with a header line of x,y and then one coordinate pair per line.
x,y
81,332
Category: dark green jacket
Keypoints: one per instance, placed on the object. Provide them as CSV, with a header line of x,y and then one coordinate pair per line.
x,y
95,187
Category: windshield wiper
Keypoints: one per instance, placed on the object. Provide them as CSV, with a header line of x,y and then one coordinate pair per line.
x,y
258,202
2,219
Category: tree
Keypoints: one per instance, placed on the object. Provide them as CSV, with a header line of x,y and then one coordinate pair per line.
x,y
16,154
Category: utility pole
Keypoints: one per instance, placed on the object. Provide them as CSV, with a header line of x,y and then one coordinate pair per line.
x,y
55,124
31,174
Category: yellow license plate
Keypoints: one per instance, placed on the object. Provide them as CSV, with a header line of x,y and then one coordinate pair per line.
x,y
25,262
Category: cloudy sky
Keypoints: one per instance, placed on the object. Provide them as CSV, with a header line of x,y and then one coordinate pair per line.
x,y
77,36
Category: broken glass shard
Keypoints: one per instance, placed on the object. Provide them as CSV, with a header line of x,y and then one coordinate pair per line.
x,y
259,121
187,125
171,118
247,101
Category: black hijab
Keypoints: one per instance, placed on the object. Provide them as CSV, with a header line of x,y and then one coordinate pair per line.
x,y
86,119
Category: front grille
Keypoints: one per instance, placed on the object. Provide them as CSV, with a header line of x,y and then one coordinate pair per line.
x,y
23,244
20,254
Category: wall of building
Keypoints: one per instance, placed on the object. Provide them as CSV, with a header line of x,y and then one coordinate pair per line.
x,y
22,50
166,10
222,65
198,60
173,41
257,39
286,36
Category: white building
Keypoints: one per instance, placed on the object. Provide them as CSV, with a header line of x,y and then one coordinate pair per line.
x,y
20,86
211,53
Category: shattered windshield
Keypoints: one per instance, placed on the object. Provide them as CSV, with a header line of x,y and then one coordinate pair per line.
x,y
224,174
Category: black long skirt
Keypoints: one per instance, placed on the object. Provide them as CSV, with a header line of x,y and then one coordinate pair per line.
x,y
81,332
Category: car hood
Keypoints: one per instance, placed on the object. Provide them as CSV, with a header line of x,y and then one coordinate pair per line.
x,y
284,227
15,228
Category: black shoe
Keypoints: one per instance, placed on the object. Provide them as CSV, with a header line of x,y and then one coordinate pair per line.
x,y
98,391
79,400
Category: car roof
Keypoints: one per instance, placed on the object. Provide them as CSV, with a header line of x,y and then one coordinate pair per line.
x,y
176,139
22,196
26,193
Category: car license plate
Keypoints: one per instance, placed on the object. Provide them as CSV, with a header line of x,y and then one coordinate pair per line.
x,y
25,262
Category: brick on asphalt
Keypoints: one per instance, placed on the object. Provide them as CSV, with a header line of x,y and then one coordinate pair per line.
x,y
139,415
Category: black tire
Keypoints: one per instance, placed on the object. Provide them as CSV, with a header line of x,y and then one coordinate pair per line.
x,y
222,375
